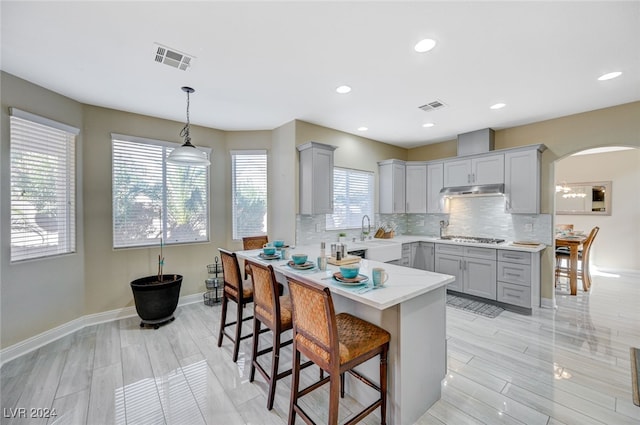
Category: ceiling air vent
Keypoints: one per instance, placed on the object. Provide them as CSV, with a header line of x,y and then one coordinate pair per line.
x,y
173,57
432,106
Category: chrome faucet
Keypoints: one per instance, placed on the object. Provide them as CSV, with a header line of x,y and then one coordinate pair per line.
x,y
443,225
368,227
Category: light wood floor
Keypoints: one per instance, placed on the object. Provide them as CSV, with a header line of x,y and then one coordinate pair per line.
x,y
565,366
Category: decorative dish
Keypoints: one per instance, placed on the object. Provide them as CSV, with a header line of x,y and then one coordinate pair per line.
x,y
304,266
358,280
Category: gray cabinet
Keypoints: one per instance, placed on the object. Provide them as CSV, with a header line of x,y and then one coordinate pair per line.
x,y
424,257
516,273
416,188
316,178
476,268
435,183
485,169
522,180
391,186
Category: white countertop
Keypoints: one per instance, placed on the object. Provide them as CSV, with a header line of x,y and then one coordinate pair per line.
x,y
404,283
508,245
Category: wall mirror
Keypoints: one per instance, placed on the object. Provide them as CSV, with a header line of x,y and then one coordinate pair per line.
x,y
583,198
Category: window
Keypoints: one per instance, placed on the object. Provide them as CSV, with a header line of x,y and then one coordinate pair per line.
x,y
249,193
154,200
43,186
352,198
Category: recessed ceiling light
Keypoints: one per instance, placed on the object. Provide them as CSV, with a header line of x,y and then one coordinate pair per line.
x,y
498,106
609,76
362,129
343,89
428,124
424,45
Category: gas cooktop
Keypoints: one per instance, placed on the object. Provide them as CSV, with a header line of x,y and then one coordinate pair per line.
x,y
472,239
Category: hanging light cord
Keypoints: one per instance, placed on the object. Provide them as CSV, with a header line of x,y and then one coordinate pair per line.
x,y
185,130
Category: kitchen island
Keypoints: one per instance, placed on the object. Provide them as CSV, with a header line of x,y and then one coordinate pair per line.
x,y
411,307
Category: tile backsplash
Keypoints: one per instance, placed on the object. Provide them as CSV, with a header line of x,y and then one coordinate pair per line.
x,y
482,216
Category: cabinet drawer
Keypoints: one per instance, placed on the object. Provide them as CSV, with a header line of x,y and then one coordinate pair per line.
x,y
514,256
514,294
472,251
520,274
443,248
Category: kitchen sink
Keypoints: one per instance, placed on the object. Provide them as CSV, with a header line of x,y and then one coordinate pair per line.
x,y
382,249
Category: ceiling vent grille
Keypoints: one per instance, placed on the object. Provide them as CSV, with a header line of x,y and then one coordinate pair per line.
x,y
173,57
432,106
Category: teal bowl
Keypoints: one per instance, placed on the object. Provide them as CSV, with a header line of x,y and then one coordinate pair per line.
x,y
350,271
269,250
278,243
299,259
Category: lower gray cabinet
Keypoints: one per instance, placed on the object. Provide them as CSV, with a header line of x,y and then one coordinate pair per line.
x,y
514,277
424,257
474,269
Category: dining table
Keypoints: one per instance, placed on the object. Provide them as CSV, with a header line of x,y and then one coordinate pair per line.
x,y
411,306
574,243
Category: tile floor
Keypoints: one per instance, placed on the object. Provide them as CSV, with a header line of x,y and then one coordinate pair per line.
x,y
565,366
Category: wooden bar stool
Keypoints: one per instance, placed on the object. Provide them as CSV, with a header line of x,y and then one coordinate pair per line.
x,y
252,242
274,311
238,291
337,344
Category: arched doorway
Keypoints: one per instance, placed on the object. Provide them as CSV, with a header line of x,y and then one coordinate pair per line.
x,y
618,242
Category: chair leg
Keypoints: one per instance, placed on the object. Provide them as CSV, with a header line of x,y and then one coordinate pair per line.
x,y
342,385
236,343
275,360
295,382
254,351
334,397
223,319
383,386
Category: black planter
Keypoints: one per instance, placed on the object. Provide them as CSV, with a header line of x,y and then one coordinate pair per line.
x,y
156,301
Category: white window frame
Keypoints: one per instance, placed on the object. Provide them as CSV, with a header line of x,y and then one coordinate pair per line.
x,y
350,218
236,214
162,171
42,150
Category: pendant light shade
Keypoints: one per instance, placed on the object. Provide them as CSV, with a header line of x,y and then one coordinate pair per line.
x,y
188,154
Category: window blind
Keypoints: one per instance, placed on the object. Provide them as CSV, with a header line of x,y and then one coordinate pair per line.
x,y
43,187
249,193
352,198
154,200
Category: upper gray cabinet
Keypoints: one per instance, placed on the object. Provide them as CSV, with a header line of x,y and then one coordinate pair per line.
x,y
391,186
316,178
435,183
485,169
522,180
416,181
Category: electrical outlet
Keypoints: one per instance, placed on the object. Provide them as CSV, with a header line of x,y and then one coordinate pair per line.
x,y
528,227
318,230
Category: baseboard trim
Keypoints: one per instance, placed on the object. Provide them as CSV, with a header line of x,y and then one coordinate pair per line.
x,y
46,337
547,302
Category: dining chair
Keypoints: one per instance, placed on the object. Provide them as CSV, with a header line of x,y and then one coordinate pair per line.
x,y
337,343
273,311
238,291
562,260
252,242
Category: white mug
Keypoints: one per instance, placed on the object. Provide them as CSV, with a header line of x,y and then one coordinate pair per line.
x,y
379,276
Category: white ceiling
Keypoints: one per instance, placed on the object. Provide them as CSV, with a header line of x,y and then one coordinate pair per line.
x,y
262,64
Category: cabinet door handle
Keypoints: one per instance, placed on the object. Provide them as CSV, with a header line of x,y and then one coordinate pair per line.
x,y
468,178
473,177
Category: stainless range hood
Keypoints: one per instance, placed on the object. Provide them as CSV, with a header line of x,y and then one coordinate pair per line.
x,y
480,190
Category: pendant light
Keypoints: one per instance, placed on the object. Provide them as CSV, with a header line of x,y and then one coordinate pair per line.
x,y
188,154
